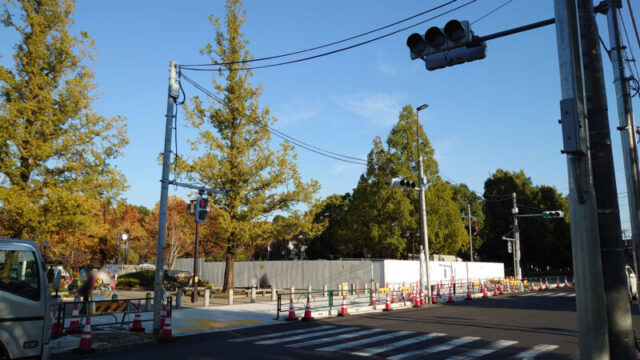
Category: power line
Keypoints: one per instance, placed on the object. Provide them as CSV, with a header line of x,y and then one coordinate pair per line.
x,y
218,68
633,21
491,12
278,133
632,59
328,44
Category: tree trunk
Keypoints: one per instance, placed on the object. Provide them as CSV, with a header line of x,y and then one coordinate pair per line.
x,y
228,271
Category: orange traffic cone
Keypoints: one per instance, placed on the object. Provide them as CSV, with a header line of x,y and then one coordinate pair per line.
x,y
373,297
546,284
495,291
500,292
56,330
166,334
137,321
387,305
450,298
74,325
533,288
343,309
163,315
394,299
468,297
566,283
416,302
421,297
307,311
357,291
485,293
541,287
85,341
292,312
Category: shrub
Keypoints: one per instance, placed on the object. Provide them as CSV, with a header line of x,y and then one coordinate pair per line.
x,y
145,277
128,283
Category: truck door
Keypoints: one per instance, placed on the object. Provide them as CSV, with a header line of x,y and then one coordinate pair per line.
x,y
22,301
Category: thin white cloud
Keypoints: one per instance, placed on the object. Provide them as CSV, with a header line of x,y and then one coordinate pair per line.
x,y
443,147
338,169
296,111
381,108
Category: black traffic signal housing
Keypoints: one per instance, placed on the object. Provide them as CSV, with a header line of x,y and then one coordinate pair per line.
x,y
402,183
202,208
552,214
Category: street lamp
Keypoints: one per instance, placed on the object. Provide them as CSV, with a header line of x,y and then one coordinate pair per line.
x,y
423,206
123,242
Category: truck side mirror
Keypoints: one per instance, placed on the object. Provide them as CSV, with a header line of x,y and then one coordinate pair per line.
x,y
56,280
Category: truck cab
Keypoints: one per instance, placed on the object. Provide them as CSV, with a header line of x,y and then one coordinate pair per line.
x,y
25,301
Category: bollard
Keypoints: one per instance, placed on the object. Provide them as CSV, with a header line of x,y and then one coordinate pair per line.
x,y
274,296
230,296
178,298
207,294
147,302
324,290
114,297
253,294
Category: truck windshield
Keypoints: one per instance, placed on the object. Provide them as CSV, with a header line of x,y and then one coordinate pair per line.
x,y
19,273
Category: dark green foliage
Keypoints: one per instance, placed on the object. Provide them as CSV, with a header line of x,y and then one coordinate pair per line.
x,y
144,277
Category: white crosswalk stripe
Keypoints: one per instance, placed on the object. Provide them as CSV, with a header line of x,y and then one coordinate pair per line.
x,y
334,338
304,336
493,347
282,333
395,345
535,351
436,348
572,295
559,294
364,341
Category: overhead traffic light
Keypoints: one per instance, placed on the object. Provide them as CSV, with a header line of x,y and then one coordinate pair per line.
x,y
440,47
202,208
402,183
553,214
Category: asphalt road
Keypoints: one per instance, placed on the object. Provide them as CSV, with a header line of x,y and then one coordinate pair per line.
x,y
539,325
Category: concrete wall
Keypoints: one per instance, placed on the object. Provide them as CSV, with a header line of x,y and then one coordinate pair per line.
x,y
283,274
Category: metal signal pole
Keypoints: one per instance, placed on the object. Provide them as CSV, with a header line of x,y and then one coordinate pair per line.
x,y
423,205
516,240
470,238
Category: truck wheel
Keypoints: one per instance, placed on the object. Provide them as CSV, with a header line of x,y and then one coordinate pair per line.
x,y
4,354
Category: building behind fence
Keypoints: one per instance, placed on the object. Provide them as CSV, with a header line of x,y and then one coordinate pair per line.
x,y
300,274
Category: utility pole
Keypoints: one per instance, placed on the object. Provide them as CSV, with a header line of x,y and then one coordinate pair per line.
x,y
423,205
585,240
194,294
470,238
173,93
604,183
516,239
626,124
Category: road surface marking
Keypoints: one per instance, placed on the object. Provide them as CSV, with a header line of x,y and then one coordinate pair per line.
x,y
282,333
304,336
535,351
560,294
335,338
364,341
437,348
572,295
493,347
209,324
391,346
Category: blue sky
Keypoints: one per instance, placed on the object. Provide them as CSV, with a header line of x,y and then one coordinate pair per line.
x,y
499,112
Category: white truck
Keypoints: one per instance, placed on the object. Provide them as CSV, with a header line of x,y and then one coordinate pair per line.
x,y
25,301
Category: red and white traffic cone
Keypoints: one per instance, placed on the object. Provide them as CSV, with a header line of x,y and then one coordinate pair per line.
x,y
357,291
500,291
387,305
307,311
373,297
468,297
485,292
438,294
292,311
137,321
533,288
163,315
166,334
74,325
541,287
343,308
450,298
495,291
566,283
85,341
56,329
394,299
416,302
546,284
557,283
422,297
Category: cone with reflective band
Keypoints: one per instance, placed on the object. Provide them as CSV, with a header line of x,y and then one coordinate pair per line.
x,y
541,287
85,341
74,325
495,291
307,311
485,293
137,321
373,297
438,293
500,291
163,315
416,302
546,284
292,312
387,305
533,288
166,329
343,308
468,297
357,291
394,299
56,329
421,296
450,298
566,283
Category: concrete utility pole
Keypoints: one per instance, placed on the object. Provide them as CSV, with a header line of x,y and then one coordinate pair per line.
x,y
194,294
627,124
173,92
585,241
470,238
423,205
516,240
604,183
